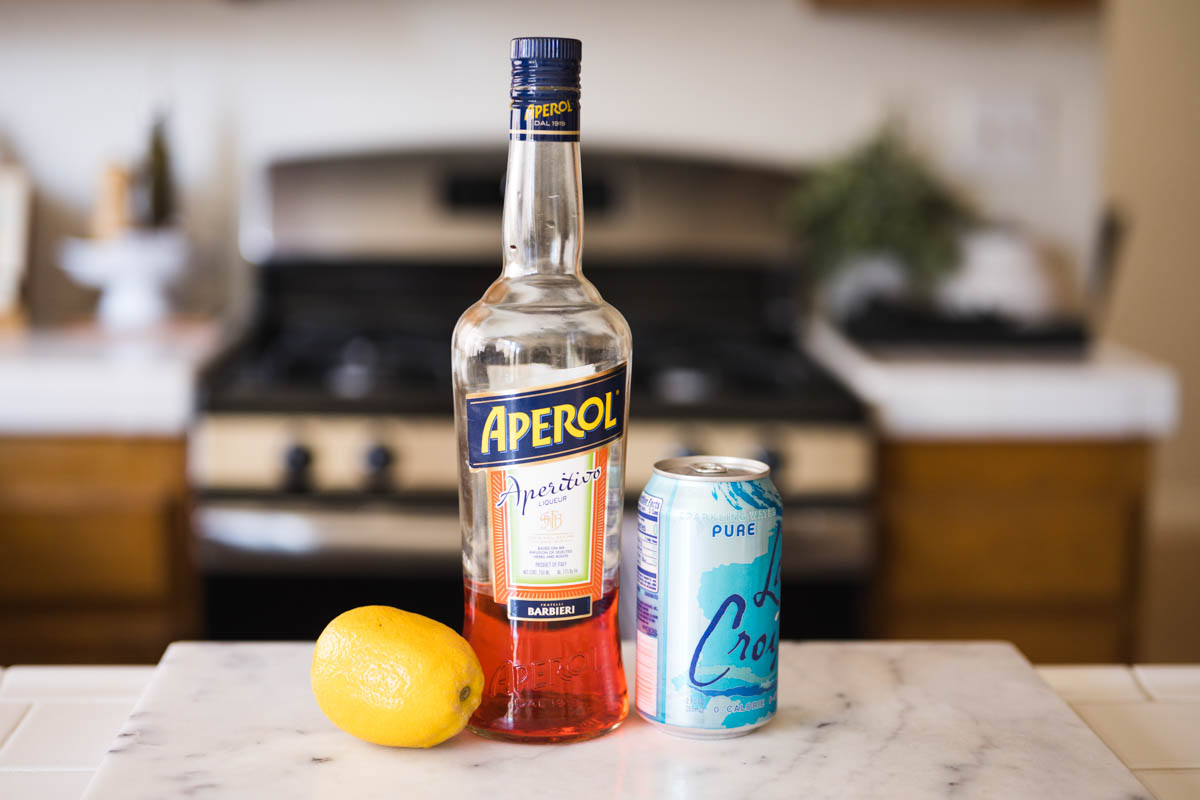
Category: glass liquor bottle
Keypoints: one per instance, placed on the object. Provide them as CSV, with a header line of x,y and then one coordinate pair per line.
x,y
541,388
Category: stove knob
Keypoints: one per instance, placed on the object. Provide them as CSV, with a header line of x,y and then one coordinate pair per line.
x,y
297,465
380,459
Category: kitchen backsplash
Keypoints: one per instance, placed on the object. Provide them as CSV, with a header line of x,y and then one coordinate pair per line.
x,y
1009,104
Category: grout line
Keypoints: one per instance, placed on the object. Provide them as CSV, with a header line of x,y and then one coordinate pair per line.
x,y
1137,681
17,728
1164,701
85,699
1191,701
1104,701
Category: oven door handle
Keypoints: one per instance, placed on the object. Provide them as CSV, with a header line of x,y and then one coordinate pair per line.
x,y
241,535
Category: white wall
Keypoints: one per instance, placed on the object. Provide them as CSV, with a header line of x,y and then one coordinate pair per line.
x,y
765,80
1153,171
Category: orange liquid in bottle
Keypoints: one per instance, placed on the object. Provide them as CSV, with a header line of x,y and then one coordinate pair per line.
x,y
546,681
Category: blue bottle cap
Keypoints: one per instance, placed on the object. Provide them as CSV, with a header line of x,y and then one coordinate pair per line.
x,y
545,89
547,48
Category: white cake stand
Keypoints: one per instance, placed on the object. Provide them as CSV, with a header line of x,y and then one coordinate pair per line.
x,y
133,272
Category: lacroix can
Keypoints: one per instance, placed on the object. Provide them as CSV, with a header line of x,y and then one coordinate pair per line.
x,y
708,580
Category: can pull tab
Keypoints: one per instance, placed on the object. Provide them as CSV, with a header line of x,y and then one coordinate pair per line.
x,y
709,468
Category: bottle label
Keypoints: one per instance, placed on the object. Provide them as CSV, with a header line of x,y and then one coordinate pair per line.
x,y
546,422
546,454
545,115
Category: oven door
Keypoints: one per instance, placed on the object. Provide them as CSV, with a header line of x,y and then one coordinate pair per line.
x,y
828,553
282,569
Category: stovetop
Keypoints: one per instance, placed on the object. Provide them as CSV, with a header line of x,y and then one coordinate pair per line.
x,y
885,327
374,338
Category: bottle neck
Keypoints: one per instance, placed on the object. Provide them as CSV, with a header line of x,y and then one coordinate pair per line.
x,y
543,209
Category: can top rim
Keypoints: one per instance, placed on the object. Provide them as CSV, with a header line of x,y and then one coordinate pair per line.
x,y
712,469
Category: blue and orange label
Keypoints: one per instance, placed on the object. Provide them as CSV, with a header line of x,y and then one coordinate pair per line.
x,y
546,422
545,115
546,452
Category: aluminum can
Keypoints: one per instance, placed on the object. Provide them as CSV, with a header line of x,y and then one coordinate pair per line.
x,y
708,579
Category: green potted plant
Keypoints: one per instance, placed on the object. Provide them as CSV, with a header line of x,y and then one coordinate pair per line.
x,y
880,203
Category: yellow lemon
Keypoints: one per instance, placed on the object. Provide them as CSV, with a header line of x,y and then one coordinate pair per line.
x,y
395,678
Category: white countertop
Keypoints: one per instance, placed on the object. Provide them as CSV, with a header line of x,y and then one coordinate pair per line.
x,y
56,723
856,720
1113,393
81,381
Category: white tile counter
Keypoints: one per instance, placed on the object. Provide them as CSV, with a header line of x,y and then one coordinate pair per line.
x,y
81,381
56,724
1113,393
1148,715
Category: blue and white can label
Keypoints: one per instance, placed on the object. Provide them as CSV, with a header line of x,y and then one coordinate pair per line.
x,y
708,590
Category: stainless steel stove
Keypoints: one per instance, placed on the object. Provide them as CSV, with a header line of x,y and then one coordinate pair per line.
x,y
324,459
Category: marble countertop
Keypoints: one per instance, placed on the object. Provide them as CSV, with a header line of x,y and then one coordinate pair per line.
x,y
855,720
81,381
1113,393
56,724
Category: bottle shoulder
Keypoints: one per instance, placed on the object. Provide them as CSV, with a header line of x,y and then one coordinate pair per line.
x,y
531,293
541,306
553,334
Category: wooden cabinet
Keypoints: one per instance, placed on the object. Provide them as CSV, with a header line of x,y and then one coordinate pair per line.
x,y
94,558
1037,543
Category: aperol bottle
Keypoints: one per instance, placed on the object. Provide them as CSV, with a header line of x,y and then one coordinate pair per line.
x,y
541,384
